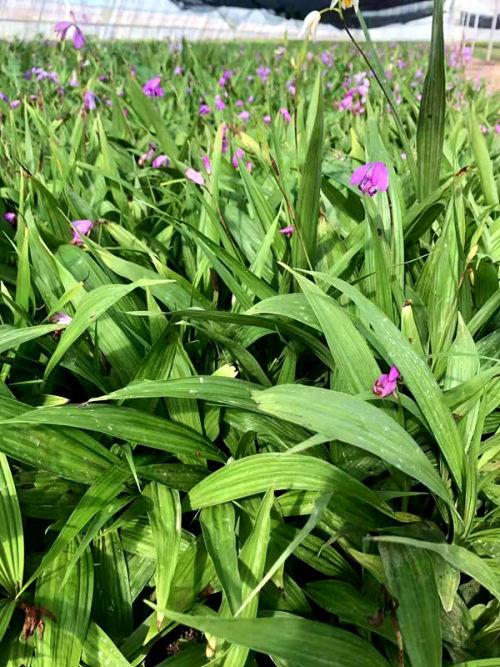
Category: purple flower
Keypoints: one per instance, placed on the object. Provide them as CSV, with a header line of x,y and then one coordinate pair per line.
x,y
160,161
147,156
291,87
62,27
244,116
219,103
15,104
263,73
179,70
387,383
10,217
371,178
133,71
285,114
4,97
89,99
195,176
78,38
81,228
287,231
73,82
327,59
60,318
152,88
225,78
205,110
207,163
267,119
239,154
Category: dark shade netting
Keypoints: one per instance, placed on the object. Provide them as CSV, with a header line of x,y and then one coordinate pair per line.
x,y
377,12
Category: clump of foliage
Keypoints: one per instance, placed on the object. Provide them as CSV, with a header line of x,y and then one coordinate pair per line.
x,y
194,466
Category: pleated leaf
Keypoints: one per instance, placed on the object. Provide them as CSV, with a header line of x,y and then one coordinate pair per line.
x,y
62,641
219,533
128,424
100,651
349,419
165,518
430,129
11,532
257,474
410,579
293,638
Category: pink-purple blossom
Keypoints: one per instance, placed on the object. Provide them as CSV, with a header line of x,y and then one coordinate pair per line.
x,y
61,318
225,78
371,178
152,88
238,155
81,228
220,105
161,161
10,217
148,155
62,27
267,119
244,116
263,73
195,176
89,100
204,110
207,164
285,115
15,104
287,231
387,383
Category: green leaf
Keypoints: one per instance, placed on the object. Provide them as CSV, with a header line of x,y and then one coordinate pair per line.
x,y
62,642
99,650
293,638
410,579
12,337
72,455
251,568
165,517
111,585
214,389
128,424
483,160
304,239
430,130
459,557
350,419
257,474
11,532
417,376
108,486
90,308
348,347
219,533
350,605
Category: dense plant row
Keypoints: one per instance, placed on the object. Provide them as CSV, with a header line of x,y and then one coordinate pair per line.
x,y
249,385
